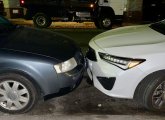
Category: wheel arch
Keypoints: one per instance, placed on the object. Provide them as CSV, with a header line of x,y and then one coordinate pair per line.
x,y
145,80
31,12
103,11
26,75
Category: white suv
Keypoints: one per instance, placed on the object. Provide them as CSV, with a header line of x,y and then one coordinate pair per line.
x,y
129,62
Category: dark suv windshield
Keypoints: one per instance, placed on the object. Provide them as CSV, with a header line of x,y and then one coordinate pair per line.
x,y
159,26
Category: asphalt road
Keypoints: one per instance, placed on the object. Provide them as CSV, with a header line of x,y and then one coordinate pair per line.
x,y
81,36
86,102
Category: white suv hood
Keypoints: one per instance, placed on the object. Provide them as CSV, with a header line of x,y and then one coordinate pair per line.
x,y
128,36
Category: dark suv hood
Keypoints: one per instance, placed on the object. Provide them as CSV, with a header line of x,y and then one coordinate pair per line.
x,y
41,42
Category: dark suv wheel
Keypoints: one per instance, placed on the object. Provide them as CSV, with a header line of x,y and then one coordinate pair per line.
x,y
17,94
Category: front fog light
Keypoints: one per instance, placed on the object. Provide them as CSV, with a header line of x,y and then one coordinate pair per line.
x,y
66,66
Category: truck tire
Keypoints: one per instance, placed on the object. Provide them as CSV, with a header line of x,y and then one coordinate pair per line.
x,y
151,92
105,22
41,20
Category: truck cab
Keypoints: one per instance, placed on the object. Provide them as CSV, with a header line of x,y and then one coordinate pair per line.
x,y
102,12
108,12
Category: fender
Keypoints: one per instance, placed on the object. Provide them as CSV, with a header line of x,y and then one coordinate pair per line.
x,y
24,74
143,81
29,72
102,11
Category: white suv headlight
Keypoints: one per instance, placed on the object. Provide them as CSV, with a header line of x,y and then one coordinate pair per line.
x,y
66,66
124,63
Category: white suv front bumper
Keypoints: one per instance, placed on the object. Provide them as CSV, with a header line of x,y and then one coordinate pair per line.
x,y
112,80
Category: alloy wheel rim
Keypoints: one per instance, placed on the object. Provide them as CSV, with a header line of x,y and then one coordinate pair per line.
x,y
106,22
41,21
158,97
13,95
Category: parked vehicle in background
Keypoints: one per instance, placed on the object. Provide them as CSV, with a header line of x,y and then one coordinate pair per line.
x,y
153,10
103,12
35,64
129,63
2,8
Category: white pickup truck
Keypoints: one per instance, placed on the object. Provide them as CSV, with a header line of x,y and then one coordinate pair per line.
x,y
103,12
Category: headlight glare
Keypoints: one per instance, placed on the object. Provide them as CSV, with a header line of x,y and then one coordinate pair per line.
x,y
124,63
66,66
133,63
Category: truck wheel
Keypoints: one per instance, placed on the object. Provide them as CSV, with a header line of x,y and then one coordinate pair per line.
x,y
17,94
151,92
41,20
105,22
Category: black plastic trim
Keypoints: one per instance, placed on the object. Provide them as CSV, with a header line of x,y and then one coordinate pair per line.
x,y
91,54
107,83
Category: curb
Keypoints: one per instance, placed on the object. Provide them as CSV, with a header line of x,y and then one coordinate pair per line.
x,y
91,25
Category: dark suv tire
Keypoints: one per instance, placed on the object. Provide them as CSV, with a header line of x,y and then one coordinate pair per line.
x,y
17,94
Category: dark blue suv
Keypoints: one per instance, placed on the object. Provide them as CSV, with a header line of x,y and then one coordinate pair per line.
x,y
35,64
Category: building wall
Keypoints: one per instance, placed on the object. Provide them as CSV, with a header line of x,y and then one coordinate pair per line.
x,y
6,3
135,5
134,11
11,3
12,8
